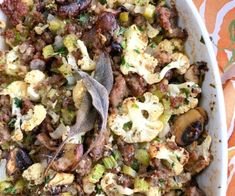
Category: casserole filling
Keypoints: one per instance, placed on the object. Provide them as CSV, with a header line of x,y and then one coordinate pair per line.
x,y
99,98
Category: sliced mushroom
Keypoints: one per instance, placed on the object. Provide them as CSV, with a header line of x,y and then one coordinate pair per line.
x,y
18,160
189,126
192,74
72,154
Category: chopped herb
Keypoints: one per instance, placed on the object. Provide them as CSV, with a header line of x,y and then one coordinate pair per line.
x,y
47,179
173,164
178,158
202,40
123,62
10,190
18,102
121,31
103,2
186,92
157,139
84,18
123,44
11,123
141,29
62,51
161,181
153,45
135,165
134,105
137,51
17,37
127,126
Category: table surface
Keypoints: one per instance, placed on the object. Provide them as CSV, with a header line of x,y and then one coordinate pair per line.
x,y
219,17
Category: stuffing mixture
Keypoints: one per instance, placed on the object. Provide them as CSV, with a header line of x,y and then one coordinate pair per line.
x,y
98,97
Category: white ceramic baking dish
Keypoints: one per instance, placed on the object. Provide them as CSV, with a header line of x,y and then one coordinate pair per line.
x,y
199,47
214,179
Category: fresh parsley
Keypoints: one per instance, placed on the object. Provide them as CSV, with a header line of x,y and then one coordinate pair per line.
x,y
61,51
103,2
137,51
84,18
10,190
127,126
18,102
186,92
120,31
11,123
153,45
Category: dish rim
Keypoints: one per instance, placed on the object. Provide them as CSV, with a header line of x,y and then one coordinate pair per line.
x,y
220,96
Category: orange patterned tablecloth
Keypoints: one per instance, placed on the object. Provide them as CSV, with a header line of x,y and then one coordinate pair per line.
x,y
219,17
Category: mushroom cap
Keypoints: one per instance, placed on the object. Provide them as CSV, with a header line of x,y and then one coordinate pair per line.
x,y
189,126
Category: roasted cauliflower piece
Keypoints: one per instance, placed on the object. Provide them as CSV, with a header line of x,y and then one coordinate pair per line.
x,y
176,158
110,186
188,91
200,156
136,60
34,173
138,121
33,118
16,89
61,179
33,78
13,65
86,63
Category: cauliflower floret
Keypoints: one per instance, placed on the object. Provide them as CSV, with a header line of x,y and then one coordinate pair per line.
x,y
33,78
204,149
78,93
137,121
136,60
176,157
110,187
179,62
13,65
87,64
151,32
61,179
34,173
33,118
165,46
16,89
187,90
88,187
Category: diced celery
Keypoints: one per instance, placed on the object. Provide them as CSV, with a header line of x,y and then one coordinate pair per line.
x,y
158,93
96,173
48,51
65,69
141,185
4,186
124,17
70,42
129,171
55,25
149,11
109,162
117,155
66,194
142,156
